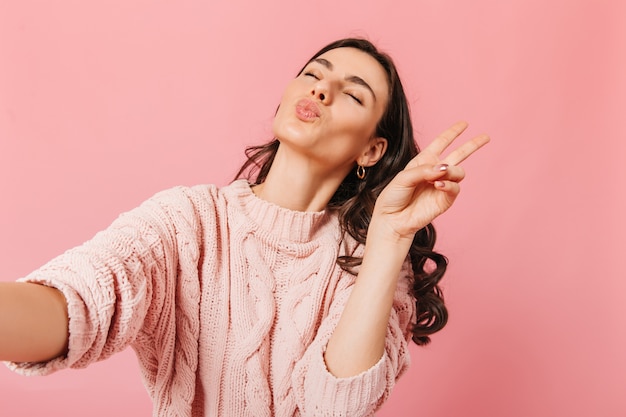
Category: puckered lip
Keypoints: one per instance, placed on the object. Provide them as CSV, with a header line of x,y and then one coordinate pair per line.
x,y
307,109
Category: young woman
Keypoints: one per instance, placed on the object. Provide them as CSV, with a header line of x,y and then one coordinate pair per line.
x,y
295,293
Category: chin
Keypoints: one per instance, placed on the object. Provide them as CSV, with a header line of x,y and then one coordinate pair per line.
x,y
295,132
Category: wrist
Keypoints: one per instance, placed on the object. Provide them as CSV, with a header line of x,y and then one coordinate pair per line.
x,y
384,233
382,245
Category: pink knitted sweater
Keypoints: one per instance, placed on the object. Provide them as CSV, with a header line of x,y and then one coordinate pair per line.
x,y
228,301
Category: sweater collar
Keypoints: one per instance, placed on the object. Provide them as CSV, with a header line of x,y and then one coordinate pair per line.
x,y
283,223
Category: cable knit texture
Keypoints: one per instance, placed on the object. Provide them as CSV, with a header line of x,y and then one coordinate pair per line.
x,y
229,302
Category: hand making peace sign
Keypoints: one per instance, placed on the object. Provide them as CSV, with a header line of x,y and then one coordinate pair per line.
x,y
427,186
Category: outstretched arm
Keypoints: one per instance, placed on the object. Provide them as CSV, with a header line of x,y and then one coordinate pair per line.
x,y
33,322
426,188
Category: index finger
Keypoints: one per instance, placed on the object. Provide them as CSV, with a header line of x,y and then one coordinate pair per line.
x,y
464,151
441,142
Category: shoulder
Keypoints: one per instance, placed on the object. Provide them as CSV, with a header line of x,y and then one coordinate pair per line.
x,y
179,205
194,205
181,194
197,198
205,192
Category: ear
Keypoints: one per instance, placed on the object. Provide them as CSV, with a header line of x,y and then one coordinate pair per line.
x,y
374,151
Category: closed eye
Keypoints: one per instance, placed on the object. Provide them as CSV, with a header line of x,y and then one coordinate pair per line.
x,y
310,74
358,100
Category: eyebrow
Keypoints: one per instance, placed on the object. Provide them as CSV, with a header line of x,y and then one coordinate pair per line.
x,y
350,78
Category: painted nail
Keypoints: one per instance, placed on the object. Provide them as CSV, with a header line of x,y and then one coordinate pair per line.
x,y
441,167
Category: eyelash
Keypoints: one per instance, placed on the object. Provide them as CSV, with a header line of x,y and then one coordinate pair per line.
x,y
310,74
355,98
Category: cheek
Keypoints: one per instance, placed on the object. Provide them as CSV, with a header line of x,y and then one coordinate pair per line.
x,y
287,100
361,128
292,89
281,111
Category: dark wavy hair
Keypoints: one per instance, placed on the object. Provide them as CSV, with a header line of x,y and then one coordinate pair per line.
x,y
354,199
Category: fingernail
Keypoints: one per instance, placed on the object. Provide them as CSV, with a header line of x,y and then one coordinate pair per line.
x,y
441,167
439,184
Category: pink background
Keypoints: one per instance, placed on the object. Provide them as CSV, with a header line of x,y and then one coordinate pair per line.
x,y
103,103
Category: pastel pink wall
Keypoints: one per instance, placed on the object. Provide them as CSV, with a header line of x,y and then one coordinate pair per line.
x,y
103,103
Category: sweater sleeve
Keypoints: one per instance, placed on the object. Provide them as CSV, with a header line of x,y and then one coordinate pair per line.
x,y
319,393
115,285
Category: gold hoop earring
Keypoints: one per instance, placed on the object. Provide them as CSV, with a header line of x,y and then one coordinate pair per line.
x,y
360,172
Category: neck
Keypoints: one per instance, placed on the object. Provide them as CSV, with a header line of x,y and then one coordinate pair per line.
x,y
296,183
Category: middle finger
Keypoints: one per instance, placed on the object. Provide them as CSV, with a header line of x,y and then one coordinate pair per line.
x,y
464,151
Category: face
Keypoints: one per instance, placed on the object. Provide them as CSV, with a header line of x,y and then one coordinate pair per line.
x,y
329,113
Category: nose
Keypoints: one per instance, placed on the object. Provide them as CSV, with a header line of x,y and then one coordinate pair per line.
x,y
321,91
